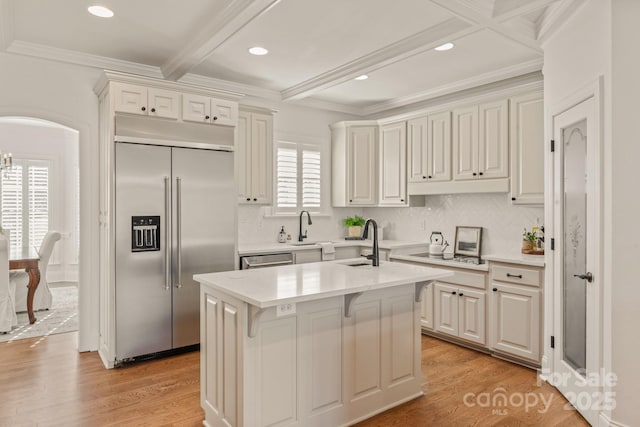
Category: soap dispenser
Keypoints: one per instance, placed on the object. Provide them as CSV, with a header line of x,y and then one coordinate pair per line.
x,y
282,236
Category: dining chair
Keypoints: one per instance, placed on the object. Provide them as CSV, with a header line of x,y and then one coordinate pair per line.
x,y
8,317
42,298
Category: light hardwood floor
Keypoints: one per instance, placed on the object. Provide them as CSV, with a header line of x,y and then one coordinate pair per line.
x,y
48,383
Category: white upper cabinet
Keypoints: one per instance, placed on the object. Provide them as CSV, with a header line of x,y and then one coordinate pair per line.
x,y
480,141
493,141
203,109
429,144
150,101
354,164
393,161
254,137
527,149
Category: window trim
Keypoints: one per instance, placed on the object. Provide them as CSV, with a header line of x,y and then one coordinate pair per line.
x,y
301,142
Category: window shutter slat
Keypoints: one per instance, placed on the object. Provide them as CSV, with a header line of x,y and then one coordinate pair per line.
x,y
287,182
311,175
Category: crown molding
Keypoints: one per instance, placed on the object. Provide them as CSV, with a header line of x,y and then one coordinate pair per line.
x,y
322,104
84,59
420,42
237,15
503,13
6,24
556,17
524,26
247,90
483,79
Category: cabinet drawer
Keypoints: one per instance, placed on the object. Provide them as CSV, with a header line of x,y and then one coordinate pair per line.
x,y
519,275
474,280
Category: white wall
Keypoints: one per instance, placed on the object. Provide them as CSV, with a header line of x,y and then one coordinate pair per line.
x,y
502,223
601,40
64,94
39,140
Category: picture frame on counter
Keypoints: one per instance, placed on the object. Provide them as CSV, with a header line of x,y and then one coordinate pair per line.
x,y
468,241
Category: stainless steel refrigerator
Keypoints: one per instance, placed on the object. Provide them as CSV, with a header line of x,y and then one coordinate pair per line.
x,y
175,217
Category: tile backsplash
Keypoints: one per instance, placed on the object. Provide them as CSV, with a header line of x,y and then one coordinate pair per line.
x,y
255,225
502,222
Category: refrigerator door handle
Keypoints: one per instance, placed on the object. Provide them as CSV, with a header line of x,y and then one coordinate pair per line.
x,y
178,231
167,235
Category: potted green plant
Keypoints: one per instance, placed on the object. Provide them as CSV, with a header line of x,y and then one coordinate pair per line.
x,y
354,225
528,241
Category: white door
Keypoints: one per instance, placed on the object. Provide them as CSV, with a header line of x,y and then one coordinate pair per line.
x,y
576,271
439,147
493,140
261,158
445,308
130,98
362,165
196,108
224,112
426,318
417,148
163,103
472,316
243,157
465,143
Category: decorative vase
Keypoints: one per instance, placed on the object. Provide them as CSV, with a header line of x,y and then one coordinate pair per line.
x,y
355,231
527,246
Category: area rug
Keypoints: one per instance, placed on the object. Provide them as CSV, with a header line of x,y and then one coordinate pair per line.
x,y
61,317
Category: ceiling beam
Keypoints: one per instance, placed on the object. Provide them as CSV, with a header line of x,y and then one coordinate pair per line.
x,y
505,9
6,24
446,31
555,16
235,16
461,9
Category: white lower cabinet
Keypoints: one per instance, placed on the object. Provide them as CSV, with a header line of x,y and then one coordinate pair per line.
x,y
515,313
460,312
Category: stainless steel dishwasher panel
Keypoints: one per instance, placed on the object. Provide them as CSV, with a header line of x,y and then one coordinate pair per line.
x,y
267,260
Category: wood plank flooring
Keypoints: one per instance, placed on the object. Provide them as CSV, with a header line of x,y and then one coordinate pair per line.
x,y
46,382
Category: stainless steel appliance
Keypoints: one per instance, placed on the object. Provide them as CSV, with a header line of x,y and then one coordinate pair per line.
x,y
267,260
175,217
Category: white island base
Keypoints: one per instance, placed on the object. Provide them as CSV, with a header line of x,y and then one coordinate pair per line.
x,y
337,360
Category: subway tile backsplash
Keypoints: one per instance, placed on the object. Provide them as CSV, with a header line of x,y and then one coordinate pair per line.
x,y
502,222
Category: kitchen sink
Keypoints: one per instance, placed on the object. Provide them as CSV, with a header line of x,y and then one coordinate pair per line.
x,y
303,243
359,264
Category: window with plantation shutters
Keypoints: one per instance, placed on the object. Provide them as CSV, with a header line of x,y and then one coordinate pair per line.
x,y
25,202
298,177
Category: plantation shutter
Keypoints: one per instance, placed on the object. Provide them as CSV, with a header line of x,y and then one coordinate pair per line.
x,y
12,205
311,172
25,202
287,177
38,204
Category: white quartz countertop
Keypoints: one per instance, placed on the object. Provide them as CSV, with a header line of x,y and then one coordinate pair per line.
x,y
515,258
269,248
441,262
268,287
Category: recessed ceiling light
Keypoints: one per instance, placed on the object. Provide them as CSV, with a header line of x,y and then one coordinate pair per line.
x,y
362,77
257,50
444,47
100,11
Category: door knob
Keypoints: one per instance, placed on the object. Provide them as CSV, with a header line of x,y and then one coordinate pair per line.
x,y
586,276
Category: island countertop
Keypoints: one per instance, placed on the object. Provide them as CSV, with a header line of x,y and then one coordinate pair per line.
x,y
269,287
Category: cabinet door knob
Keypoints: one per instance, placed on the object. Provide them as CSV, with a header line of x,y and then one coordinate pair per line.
x,y
207,117
153,110
424,177
144,108
453,292
430,176
402,200
350,201
474,174
513,199
495,289
248,199
215,118
461,295
255,200
481,173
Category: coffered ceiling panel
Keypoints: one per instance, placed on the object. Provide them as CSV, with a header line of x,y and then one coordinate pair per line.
x,y
310,37
473,56
142,31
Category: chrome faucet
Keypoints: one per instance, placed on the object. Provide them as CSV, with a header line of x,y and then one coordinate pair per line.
x,y
375,256
301,236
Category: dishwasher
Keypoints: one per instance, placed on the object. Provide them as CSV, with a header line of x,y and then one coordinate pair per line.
x,y
267,260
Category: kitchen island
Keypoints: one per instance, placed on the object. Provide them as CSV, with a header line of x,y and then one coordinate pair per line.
x,y
320,344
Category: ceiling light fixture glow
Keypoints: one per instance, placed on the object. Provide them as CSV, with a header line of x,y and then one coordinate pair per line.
x,y
257,50
362,77
444,47
100,11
